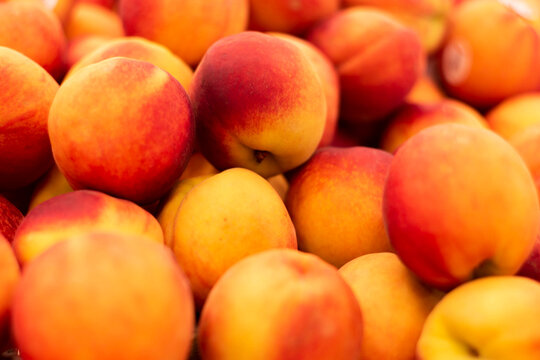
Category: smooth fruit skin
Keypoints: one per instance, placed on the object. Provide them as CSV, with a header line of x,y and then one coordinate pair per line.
x,y
515,114
447,202
10,219
107,297
281,304
26,94
395,305
490,318
9,277
77,213
267,121
50,185
123,127
335,202
224,219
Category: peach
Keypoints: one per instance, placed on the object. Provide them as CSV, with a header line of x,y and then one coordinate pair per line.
x,y
267,121
82,46
122,126
527,144
281,304
459,202
171,204
198,166
412,118
377,58
293,17
330,82
482,35
9,277
61,8
186,27
427,17
222,220
91,19
394,305
35,32
106,296
425,91
515,114
335,202
77,213
10,219
109,4
140,49
490,318
26,94
51,185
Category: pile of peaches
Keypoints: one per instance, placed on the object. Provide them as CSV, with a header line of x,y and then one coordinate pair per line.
x,y
269,179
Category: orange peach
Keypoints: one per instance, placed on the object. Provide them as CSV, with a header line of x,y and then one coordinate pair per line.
x,y
460,203
35,32
10,219
9,277
122,126
425,91
103,296
483,34
394,305
294,17
527,143
330,82
82,46
259,104
377,58
335,202
491,318
140,49
91,19
222,220
26,94
51,185
412,118
427,17
515,114
281,304
198,166
61,8
186,27
76,213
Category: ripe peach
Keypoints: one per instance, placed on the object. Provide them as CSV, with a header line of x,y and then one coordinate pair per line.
x,y
82,46
109,4
527,143
267,121
51,185
10,219
26,94
103,296
9,276
482,35
394,305
123,127
35,32
377,58
330,82
197,166
460,203
281,304
412,118
76,213
140,49
425,91
515,114
186,27
223,219
335,202
293,17
92,19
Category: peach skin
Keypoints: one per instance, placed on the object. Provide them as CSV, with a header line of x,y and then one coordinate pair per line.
x,y
124,127
186,27
335,202
490,318
515,114
412,118
527,144
10,219
425,91
140,49
77,213
395,305
222,220
107,297
82,46
26,94
267,121
459,203
531,266
198,166
378,60
34,31
281,304
482,35
9,277
91,19
51,185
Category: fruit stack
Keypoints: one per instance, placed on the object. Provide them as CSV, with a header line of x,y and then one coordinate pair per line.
x,y
270,179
